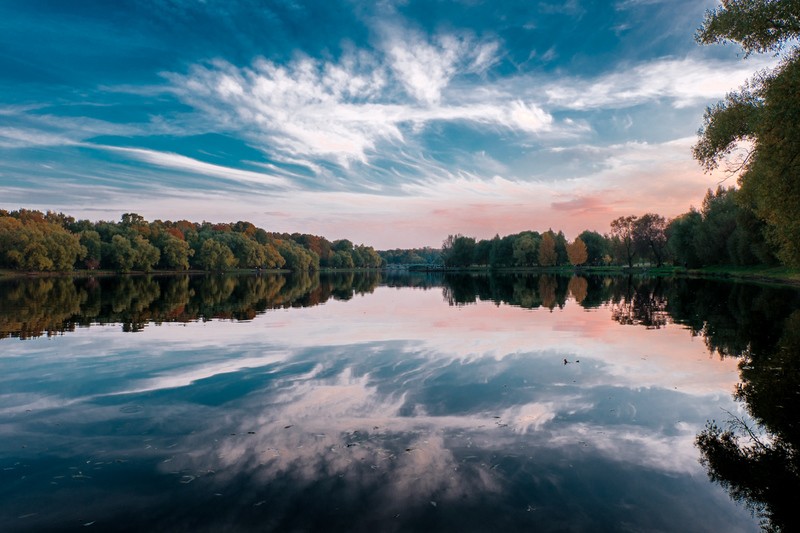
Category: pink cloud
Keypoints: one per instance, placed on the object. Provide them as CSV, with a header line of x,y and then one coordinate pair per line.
x,y
582,204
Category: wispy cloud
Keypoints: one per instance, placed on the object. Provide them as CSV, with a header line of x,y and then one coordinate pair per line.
x,y
683,82
342,111
425,67
27,137
188,164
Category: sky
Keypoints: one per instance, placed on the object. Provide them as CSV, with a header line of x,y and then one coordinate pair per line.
x,y
390,123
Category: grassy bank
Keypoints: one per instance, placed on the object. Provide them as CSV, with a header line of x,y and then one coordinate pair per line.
x,y
761,274
5,273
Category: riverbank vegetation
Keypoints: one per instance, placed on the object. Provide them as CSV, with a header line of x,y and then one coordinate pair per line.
x,y
33,241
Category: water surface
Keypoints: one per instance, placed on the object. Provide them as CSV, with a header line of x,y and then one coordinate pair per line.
x,y
363,403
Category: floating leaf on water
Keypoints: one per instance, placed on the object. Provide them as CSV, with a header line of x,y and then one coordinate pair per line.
x,y
88,523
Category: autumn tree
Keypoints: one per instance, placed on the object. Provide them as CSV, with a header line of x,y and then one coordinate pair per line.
x,y
578,287
29,242
576,251
547,250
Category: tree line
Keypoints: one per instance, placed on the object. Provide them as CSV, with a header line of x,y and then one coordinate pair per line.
x,y
525,249
35,241
721,232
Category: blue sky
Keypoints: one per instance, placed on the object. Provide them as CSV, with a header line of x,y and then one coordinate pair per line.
x,y
392,123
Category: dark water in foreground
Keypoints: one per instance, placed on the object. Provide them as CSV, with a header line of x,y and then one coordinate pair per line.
x,y
402,403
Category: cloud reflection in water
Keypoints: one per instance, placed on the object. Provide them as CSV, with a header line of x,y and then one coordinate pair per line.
x,y
467,412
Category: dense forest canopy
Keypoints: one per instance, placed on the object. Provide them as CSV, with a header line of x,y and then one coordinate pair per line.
x,y
36,241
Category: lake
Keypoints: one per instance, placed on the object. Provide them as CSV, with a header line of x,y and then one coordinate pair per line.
x,y
397,402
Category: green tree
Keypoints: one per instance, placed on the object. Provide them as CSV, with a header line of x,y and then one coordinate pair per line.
x,y
63,248
341,259
526,250
175,253
596,247
765,112
458,251
502,252
146,255
299,258
622,230
650,238
483,252
561,248
719,223
367,257
215,255
91,242
120,253
681,232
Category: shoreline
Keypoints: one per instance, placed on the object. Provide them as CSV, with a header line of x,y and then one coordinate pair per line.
x,y
759,274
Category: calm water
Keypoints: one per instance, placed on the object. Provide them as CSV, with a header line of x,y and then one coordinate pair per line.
x,y
400,403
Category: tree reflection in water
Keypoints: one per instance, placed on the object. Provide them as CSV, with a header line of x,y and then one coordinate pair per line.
x,y
756,460
759,465
49,306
